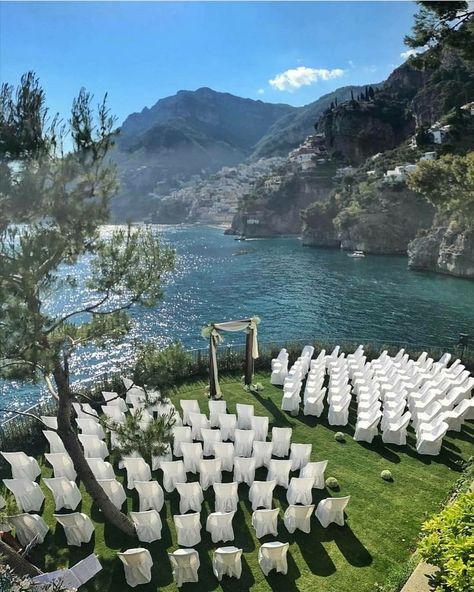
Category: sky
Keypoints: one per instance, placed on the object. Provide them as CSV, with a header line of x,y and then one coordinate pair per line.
x,y
139,52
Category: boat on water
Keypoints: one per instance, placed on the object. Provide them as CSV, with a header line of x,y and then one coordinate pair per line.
x,y
356,254
240,238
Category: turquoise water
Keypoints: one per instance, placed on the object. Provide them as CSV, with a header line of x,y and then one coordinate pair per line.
x,y
299,293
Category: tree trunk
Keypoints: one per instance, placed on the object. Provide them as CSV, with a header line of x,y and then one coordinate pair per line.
x,y
17,562
249,358
73,447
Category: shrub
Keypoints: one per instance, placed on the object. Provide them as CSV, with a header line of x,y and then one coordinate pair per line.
x,y
161,368
386,475
449,544
332,483
339,437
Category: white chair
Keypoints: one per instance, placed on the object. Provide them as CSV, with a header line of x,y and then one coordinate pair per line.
x,y
30,529
93,446
62,465
85,411
198,421
66,494
215,409
262,453
265,522
114,491
90,427
314,403
338,413
279,368
23,466
219,526
100,468
167,456
192,456
209,438
226,496
113,414
227,561
185,564
279,470
173,472
227,423
28,494
114,400
51,421
430,439
261,494
150,495
148,525
225,451
210,471
259,425
281,438
188,529
137,565
331,509
367,429
396,432
244,470
180,434
300,491
78,527
54,441
132,389
243,442
188,406
273,556
190,496
315,470
291,398
244,416
137,470
300,455
298,518
459,415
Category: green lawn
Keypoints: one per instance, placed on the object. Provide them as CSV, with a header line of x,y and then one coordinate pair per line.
x,y
383,519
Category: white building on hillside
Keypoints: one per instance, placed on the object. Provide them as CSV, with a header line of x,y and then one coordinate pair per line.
x,y
272,183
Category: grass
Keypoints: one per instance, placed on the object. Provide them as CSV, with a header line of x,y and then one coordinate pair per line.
x,y
383,518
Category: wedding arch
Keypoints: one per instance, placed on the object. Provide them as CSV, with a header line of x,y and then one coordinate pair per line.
x,y
212,331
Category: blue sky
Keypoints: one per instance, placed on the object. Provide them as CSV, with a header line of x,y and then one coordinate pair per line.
x,y
289,52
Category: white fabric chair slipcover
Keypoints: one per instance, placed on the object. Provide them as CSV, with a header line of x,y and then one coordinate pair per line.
x,y
279,368
114,491
198,422
137,565
113,413
339,412
279,470
332,510
173,472
101,468
243,442
28,494
244,416
54,441
273,556
265,522
50,420
459,415
225,451
185,564
188,529
148,525
244,470
66,494
261,494
192,456
114,400
314,403
210,471
181,434
396,432
85,411
300,491
23,466
227,561
215,409
219,525
137,470
262,453
30,528
132,389
281,441
156,461
209,438
430,440
298,518
62,465
78,527
315,470
93,446
367,429
291,398
226,496
259,425
300,455
227,424
150,495
190,496
188,406
90,427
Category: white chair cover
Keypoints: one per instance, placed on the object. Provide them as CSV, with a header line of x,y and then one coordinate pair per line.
x,y
332,510
261,494
150,495
185,564
28,494
396,432
244,416
215,409
219,525
62,465
227,424
227,561
50,420
148,525
78,527
23,466
181,434
244,470
114,400
190,496
192,456
265,522
315,470
262,453
298,518
85,411
367,429
430,440
300,491
198,422
137,565
339,412
279,470
259,425
188,529
54,441
210,472
209,438
281,441
225,451
30,529
101,468
273,556
243,442
156,461
93,446
137,470
188,406
66,494
226,496
300,455
114,491
90,427
173,472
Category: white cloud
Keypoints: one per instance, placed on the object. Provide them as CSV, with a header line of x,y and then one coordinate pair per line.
x,y
261,91
295,78
409,53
